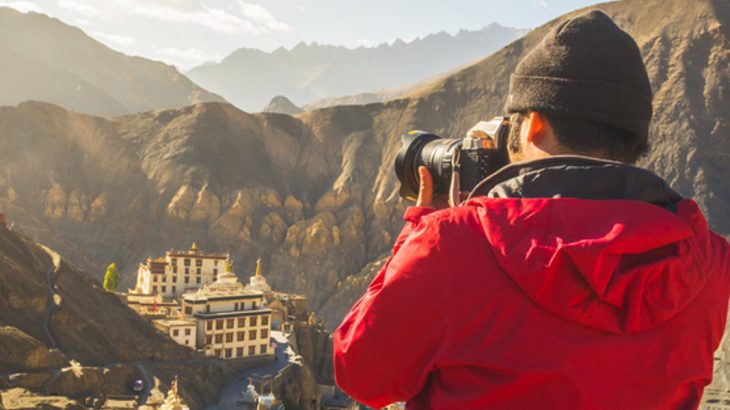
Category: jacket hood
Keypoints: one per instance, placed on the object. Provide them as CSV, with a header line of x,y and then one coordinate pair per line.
x,y
619,265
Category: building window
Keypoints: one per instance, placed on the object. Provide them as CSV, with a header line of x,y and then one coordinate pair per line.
x,y
187,343
173,289
175,332
164,279
219,324
229,323
164,288
187,332
208,339
215,271
215,262
174,269
240,336
251,334
209,325
251,350
198,271
241,322
217,352
219,338
265,320
262,349
198,262
154,278
189,310
187,279
197,280
229,337
154,289
235,306
252,321
264,333
187,262
229,352
187,271
254,305
239,352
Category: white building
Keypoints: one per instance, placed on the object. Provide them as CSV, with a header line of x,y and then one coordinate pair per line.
x,y
180,330
179,272
231,321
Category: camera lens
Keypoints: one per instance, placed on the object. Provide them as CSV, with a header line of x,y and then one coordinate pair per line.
x,y
424,149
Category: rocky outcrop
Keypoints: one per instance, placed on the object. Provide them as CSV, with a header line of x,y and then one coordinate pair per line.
x,y
21,352
314,345
282,105
19,398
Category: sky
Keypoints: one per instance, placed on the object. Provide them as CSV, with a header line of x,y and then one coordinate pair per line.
x,y
187,33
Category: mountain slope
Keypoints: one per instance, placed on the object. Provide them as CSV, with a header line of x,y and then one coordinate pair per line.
x,y
315,195
61,334
250,78
49,60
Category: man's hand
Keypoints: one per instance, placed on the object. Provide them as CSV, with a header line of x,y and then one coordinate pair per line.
x,y
425,192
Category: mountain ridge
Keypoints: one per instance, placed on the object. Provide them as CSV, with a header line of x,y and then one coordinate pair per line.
x,y
249,78
61,62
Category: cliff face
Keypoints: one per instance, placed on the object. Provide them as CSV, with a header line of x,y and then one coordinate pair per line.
x,y
315,195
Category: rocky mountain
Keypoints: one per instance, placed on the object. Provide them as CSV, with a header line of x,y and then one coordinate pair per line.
x,y
45,59
249,78
315,195
282,105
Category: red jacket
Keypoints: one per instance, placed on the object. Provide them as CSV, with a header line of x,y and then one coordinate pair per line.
x,y
559,303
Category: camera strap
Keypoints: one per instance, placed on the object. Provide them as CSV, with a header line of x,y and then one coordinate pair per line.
x,y
454,187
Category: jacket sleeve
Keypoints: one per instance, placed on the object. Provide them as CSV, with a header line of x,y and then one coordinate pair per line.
x,y
390,341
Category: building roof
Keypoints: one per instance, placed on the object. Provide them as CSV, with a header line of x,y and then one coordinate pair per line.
x,y
197,253
226,287
231,313
174,322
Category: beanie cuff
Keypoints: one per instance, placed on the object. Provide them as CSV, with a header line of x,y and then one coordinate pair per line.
x,y
598,101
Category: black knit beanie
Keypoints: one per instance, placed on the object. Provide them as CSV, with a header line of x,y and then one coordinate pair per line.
x,y
586,68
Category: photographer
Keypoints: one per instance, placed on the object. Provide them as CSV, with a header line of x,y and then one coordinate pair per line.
x,y
570,280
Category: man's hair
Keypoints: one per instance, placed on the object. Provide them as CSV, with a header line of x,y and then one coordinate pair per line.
x,y
583,137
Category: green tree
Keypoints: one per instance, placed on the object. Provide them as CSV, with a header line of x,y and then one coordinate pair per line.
x,y
111,279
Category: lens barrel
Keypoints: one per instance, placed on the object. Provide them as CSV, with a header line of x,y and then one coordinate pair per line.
x,y
424,149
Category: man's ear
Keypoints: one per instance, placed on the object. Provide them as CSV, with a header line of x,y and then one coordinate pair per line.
x,y
534,126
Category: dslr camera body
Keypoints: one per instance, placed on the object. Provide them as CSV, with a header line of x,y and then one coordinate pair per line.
x,y
481,153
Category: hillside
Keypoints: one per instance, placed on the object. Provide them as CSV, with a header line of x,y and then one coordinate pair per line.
x,y
45,59
62,335
315,195
249,78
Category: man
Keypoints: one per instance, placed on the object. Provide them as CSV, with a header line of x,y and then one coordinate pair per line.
x,y
571,281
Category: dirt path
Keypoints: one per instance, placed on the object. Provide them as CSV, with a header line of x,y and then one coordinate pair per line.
x,y
54,299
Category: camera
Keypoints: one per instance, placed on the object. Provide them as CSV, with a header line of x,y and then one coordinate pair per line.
x,y
473,158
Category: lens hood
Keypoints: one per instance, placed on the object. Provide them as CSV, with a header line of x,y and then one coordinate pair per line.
x,y
406,161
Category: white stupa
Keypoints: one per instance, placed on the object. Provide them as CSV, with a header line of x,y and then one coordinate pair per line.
x,y
173,400
258,281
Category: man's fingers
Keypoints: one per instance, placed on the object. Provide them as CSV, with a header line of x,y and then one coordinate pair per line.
x,y
425,189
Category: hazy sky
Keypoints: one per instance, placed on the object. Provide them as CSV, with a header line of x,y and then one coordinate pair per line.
x,y
189,32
